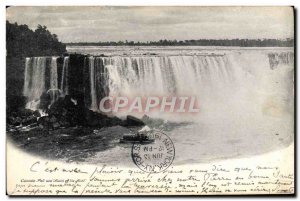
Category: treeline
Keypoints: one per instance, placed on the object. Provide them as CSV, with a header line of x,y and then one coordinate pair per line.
x,y
202,42
24,42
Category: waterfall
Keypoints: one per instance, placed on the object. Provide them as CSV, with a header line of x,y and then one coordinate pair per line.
x,y
280,58
166,75
98,79
38,81
217,80
206,77
53,75
34,84
54,92
27,77
93,84
64,87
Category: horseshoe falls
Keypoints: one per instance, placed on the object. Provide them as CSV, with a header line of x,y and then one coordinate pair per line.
x,y
222,81
167,75
244,95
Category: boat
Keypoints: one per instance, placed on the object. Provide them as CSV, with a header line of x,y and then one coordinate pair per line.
x,y
136,138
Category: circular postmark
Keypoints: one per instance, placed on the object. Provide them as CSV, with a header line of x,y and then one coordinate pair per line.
x,y
154,157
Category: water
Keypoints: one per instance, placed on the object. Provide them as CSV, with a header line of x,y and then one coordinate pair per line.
x,y
41,76
245,94
166,50
165,75
34,84
93,84
53,91
65,74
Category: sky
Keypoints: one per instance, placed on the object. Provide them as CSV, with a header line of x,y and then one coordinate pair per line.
x,y
107,23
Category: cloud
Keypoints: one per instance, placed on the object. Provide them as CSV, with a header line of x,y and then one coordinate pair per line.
x,y
106,23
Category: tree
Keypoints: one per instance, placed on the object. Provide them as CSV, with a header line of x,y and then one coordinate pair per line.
x,y
24,42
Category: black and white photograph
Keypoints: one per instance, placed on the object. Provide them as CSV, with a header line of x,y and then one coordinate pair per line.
x,y
150,100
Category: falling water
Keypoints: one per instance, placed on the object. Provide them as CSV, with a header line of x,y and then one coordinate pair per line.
x,y
27,78
34,80
167,75
53,75
64,87
54,92
223,78
98,79
93,84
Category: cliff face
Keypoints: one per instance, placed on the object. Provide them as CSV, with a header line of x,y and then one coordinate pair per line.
x,y
78,73
14,83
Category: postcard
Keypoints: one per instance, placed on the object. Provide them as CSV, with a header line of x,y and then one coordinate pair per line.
x,y
150,101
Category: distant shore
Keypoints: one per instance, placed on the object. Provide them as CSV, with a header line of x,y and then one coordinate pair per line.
x,y
288,42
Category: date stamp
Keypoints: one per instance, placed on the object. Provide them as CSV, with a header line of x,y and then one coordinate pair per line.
x,y
154,157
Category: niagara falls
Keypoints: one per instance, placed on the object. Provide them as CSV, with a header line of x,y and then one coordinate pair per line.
x,y
224,81
150,100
